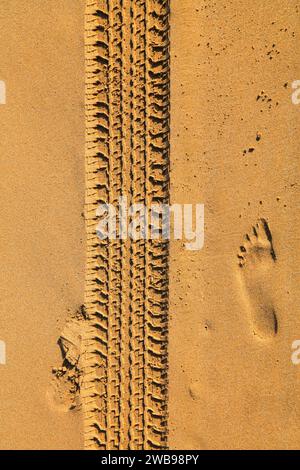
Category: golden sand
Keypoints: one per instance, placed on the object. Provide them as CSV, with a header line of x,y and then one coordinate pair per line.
x,y
145,344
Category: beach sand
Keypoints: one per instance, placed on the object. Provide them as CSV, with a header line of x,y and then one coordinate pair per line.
x,y
80,315
235,147
42,229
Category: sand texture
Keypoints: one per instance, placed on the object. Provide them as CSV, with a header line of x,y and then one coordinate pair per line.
x,y
235,147
142,343
42,231
126,291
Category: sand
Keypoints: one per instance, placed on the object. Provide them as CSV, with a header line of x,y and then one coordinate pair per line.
x,y
42,230
127,154
232,382
145,344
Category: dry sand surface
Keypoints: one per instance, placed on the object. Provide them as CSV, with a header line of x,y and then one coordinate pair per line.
x,y
42,230
235,147
94,359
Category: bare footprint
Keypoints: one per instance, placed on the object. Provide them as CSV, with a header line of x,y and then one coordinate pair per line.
x,y
257,261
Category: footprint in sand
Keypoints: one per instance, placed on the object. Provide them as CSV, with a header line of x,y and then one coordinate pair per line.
x,y
64,392
257,261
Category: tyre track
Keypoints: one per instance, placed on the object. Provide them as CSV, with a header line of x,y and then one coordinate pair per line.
x,y
114,82
158,250
94,390
127,153
138,247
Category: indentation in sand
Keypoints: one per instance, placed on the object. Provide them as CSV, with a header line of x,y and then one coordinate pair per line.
x,y
64,392
194,391
257,260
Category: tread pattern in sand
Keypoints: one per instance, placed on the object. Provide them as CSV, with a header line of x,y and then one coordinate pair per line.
x,y
127,154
